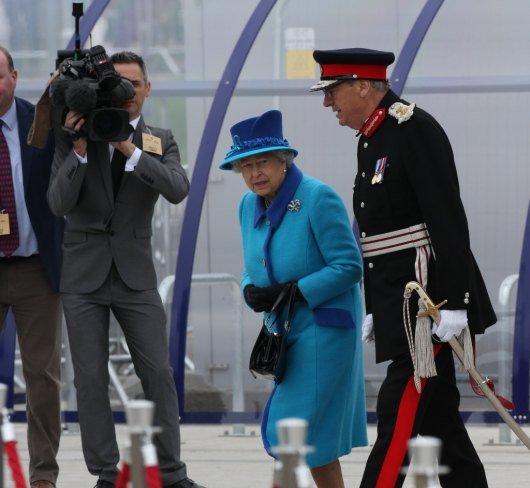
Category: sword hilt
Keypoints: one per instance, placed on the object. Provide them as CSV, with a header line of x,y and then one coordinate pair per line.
x,y
431,310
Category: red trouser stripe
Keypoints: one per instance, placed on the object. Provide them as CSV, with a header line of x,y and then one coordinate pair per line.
x,y
404,423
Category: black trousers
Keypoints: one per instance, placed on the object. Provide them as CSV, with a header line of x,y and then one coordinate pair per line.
x,y
403,413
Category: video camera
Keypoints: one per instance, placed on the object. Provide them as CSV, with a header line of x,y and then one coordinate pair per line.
x,y
88,83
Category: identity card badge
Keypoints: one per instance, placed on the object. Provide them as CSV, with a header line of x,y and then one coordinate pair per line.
x,y
152,144
4,223
380,166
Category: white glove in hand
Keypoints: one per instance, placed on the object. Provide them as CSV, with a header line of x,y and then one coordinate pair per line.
x,y
368,329
452,322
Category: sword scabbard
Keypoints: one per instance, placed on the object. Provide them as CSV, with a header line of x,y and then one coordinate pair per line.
x,y
433,311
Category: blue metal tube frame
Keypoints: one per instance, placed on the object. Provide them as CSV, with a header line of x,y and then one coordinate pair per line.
x,y
192,215
521,335
412,45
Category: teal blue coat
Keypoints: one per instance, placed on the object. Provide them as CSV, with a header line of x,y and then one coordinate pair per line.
x,y
306,236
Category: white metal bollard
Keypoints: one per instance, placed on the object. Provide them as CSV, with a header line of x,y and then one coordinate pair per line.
x,y
140,415
424,453
292,470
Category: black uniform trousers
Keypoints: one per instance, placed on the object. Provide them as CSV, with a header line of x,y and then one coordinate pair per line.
x,y
402,413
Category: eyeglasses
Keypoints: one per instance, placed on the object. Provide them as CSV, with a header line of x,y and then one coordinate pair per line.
x,y
328,92
247,166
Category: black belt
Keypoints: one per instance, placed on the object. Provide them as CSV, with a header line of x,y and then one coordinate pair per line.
x,y
16,259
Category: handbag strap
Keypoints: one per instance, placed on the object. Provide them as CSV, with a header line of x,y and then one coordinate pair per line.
x,y
280,298
287,289
290,307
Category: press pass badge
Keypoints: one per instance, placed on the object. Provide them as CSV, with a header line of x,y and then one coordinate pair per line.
x,y
4,223
152,144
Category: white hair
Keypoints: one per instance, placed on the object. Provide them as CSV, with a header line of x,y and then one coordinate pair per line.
x,y
282,154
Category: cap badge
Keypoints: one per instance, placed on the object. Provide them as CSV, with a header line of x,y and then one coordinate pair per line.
x,y
401,112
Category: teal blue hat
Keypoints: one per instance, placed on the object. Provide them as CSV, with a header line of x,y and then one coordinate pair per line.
x,y
256,135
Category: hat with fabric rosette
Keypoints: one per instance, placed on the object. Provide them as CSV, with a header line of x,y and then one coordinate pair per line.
x,y
256,135
349,64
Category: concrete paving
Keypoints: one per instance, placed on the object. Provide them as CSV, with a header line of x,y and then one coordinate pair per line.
x,y
218,459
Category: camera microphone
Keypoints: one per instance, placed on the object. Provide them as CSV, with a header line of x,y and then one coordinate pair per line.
x,y
81,97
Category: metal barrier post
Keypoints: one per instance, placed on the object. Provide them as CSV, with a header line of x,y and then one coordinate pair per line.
x,y
238,393
424,453
505,347
292,472
140,420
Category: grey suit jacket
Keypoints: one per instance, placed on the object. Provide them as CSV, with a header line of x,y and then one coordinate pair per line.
x,y
101,229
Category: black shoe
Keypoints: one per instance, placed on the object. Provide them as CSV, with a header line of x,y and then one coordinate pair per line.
x,y
104,484
185,483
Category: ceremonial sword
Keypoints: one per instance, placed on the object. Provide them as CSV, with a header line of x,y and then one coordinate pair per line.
x,y
434,312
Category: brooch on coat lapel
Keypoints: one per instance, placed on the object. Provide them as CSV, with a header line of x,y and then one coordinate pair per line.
x,y
294,205
380,166
401,112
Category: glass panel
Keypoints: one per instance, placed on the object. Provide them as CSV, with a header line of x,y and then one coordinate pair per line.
x,y
468,74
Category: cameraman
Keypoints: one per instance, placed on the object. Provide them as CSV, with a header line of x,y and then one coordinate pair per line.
x,y
108,266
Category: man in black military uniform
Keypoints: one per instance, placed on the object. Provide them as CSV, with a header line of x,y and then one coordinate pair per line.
x,y
413,228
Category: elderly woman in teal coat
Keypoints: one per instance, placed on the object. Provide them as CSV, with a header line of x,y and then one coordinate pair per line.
x,y
296,229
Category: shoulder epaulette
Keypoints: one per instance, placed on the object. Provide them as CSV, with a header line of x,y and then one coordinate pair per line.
x,y
401,112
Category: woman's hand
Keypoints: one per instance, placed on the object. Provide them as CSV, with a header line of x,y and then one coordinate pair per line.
x,y
262,299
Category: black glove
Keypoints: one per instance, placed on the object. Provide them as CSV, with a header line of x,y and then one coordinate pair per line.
x,y
262,299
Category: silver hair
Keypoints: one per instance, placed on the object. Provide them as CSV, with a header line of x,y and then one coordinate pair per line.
x,y
380,85
282,154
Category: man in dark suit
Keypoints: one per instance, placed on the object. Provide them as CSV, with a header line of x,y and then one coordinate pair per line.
x,y
108,266
413,228
30,261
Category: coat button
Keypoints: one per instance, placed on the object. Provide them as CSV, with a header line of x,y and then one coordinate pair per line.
x,y
363,174
365,145
466,300
362,204
363,234
263,262
370,265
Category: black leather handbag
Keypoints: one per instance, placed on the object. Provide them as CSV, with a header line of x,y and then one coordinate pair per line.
x,y
268,358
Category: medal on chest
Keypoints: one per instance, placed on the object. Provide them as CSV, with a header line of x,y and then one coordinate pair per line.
x,y
380,166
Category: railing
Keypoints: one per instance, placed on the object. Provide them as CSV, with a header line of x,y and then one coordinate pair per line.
x,y
238,394
505,346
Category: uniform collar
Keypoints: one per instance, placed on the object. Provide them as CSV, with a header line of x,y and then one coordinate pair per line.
x,y
278,207
373,122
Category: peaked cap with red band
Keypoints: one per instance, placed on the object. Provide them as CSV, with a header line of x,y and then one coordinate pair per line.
x,y
356,63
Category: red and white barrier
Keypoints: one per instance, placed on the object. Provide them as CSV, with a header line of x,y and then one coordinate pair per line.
x,y
152,473
10,450
124,476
